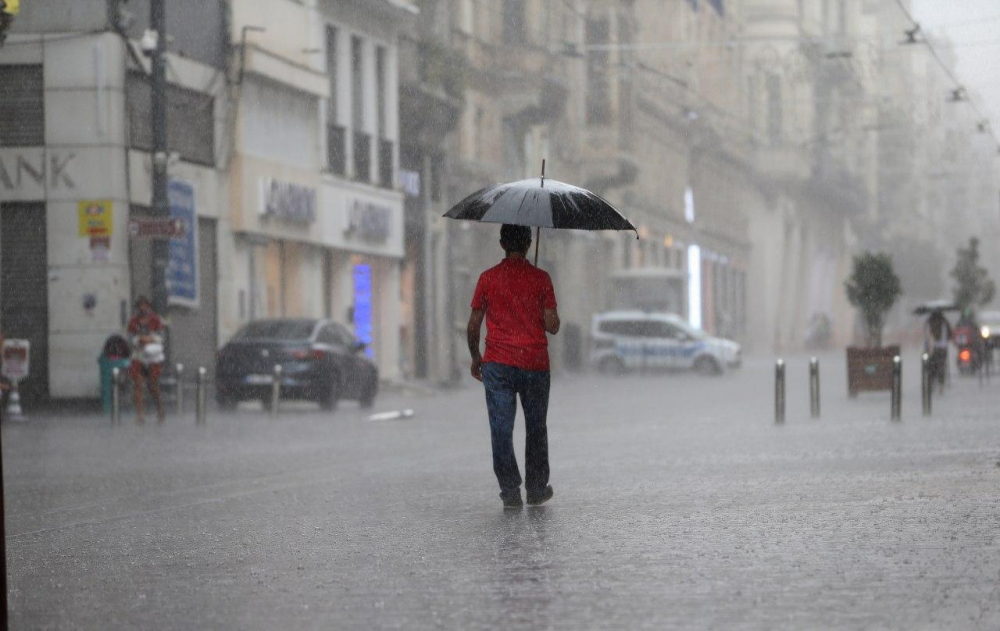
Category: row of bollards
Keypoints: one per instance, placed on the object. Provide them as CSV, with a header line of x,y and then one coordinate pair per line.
x,y
201,394
779,390
896,389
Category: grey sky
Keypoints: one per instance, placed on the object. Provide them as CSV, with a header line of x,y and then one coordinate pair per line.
x,y
973,26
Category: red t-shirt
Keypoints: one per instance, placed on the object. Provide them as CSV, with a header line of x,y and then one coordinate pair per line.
x,y
145,324
514,295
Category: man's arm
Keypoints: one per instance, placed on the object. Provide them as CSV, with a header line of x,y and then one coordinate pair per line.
x,y
552,321
472,334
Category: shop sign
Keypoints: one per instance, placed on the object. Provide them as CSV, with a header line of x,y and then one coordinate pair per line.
x,y
286,201
182,264
157,228
16,355
26,171
368,221
95,218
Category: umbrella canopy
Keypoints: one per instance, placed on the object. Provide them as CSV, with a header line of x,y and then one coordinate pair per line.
x,y
935,305
541,203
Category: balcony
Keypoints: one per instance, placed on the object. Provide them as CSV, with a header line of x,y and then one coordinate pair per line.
x,y
362,157
336,149
386,164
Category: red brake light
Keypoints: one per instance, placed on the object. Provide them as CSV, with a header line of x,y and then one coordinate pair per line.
x,y
965,355
307,353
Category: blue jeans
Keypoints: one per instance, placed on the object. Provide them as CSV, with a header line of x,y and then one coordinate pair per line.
x,y
503,385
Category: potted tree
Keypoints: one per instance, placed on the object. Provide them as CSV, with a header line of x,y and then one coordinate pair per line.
x,y
873,288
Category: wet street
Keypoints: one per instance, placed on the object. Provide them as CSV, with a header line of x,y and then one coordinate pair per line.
x,y
678,504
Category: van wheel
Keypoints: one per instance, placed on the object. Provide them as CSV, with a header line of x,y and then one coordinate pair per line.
x,y
707,366
611,366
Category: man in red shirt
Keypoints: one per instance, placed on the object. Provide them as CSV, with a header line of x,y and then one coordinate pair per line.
x,y
519,305
146,329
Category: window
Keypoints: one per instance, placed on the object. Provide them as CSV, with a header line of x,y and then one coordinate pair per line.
x,y
357,84
598,101
380,91
774,113
190,120
277,330
22,106
331,71
328,335
437,163
513,21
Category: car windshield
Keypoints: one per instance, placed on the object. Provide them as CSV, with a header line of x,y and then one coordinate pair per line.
x,y
276,330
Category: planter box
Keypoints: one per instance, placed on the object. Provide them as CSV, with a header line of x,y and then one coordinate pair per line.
x,y
869,369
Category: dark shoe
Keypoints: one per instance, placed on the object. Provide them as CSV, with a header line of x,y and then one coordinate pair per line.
x,y
539,497
512,501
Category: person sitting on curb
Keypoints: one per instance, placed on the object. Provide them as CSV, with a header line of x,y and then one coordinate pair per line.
x,y
146,329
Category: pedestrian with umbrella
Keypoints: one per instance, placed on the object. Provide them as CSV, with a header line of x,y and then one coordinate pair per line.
x,y
937,336
518,303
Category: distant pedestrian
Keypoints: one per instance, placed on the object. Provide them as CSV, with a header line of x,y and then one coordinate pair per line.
x,y
146,329
937,336
518,302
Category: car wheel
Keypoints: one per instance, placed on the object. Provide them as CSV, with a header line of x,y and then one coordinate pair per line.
x,y
226,402
611,366
707,366
368,398
331,396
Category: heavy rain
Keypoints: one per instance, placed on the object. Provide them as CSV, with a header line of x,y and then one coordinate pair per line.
x,y
499,314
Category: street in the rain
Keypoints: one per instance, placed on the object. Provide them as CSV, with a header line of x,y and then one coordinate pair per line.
x,y
679,504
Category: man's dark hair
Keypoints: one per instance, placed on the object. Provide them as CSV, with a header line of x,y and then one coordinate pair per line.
x,y
515,238
143,300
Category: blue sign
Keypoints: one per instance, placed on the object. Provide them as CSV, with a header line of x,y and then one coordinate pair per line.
x,y
182,266
363,305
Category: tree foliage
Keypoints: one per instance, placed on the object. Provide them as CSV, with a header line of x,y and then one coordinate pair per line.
x,y
973,286
873,288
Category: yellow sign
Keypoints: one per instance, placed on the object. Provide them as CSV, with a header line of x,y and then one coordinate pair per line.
x,y
95,218
13,6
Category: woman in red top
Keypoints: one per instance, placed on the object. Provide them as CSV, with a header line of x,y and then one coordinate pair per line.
x,y
146,329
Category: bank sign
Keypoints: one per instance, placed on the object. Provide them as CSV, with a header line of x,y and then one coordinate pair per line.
x,y
288,202
182,268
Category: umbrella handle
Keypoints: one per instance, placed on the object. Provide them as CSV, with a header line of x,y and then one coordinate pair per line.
x,y
538,238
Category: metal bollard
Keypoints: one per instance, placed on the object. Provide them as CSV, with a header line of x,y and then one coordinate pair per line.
x,y
779,391
814,387
179,370
116,396
276,391
926,385
897,388
200,401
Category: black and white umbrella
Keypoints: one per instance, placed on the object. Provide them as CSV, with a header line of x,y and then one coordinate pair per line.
x,y
541,203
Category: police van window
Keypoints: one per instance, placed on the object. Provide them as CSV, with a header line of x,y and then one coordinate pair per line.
x,y
631,328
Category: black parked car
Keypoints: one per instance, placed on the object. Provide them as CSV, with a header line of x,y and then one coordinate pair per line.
x,y
320,361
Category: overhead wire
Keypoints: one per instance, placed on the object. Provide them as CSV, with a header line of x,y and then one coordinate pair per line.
x,y
959,87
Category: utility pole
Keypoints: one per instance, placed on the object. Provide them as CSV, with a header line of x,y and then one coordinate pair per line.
x,y
161,208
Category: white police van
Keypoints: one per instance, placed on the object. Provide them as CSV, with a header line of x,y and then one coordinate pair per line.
x,y
626,341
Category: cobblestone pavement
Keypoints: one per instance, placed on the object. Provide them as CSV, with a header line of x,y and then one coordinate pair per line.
x,y
679,504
